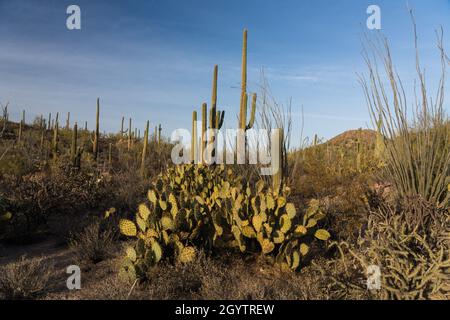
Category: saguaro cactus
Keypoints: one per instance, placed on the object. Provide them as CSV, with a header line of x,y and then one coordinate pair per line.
x,y
194,150
68,121
203,137
97,131
144,149
19,134
121,127
159,134
75,151
129,134
243,125
55,141
216,118
49,121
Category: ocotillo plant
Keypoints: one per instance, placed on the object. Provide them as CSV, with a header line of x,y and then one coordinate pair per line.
x,y
379,143
23,117
97,131
194,150
144,149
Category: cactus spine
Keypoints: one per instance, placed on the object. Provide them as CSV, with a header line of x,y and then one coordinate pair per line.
x,y
144,149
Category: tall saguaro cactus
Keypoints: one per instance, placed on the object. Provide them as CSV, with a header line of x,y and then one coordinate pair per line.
x,y
216,117
159,134
68,121
73,145
75,151
243,125
97,131
55,140
194,150
144,149
129,134
203,136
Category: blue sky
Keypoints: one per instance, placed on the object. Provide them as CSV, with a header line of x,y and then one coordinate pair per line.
x,y
154,59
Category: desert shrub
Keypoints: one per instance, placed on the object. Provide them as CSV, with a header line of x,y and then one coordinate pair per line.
x,y
94,244
209,207
36,197
24,279
414,260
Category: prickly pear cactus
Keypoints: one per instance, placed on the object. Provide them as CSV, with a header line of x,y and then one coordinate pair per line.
x,y
197,206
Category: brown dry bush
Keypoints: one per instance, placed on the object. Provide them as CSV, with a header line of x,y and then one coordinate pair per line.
x,y
94,244
25,279
226,277
414,259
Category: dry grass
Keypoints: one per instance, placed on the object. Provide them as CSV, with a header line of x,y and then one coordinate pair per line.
x,y
25,279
